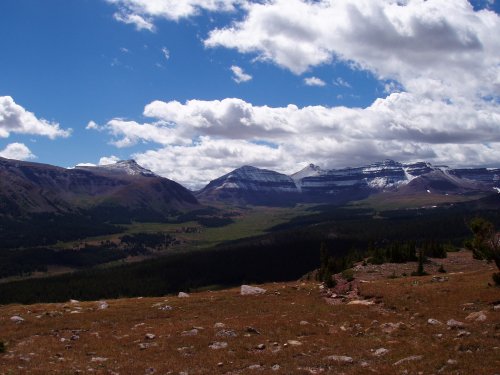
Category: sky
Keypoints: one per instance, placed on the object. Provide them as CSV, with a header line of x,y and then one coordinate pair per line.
x,y
193,89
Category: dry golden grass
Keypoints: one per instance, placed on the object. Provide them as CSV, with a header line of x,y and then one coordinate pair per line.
x,y
108,340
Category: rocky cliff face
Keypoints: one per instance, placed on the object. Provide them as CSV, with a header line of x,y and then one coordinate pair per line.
x,y
313,184
32,187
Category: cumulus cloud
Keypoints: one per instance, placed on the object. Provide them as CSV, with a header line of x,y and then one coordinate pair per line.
x,y
17,151
314,81
16,119
199,140
142,13
107,160
239,74
413,41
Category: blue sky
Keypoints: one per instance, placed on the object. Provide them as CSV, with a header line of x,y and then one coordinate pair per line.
x,y
333,82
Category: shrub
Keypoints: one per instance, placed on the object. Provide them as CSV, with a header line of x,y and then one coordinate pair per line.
x,y
348,274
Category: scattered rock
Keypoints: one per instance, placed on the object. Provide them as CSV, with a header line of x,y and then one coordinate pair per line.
x,y
463,334
496,308
254,367
165,308
150,336
74,301
252,330
218,345
150,370
146,345
361,302
226,333
479,316
304,323
191,332
340,359
183,295
408,359
247,290
452,323
16,319
219,325
452,361
275,367
102,305
380,352
261,346
294,343
439,279
390,327
434,322
98,359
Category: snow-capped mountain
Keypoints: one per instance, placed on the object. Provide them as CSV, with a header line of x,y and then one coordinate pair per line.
x,y
314,184
251,185
122,167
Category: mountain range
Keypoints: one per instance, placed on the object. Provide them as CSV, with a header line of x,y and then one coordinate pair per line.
x,y
27,187
313,184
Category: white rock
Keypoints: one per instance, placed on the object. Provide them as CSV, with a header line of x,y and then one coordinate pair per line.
x,y
434,322
294,343
219,325
275,367
218,345
150,336
408,359
16,319
496,308
74,301
452,323
340,358
183,295
452,362
102,305
304,323
192,332
98,359
361,302
380,352
479,316
247,290
254,367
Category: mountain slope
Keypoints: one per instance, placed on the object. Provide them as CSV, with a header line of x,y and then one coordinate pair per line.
x,y
251,185
32,187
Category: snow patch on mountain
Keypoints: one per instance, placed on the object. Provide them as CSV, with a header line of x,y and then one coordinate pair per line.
x,y
126,167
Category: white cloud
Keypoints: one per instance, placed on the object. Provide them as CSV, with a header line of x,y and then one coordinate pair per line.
x,y
138,21
314,81
142,13
166,53
200,140
239,74
107,160
92,125
412,41
16,119
17,151
341,83
84,165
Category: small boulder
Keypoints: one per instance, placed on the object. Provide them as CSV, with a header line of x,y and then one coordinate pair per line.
x,y
408,359
434,322
102,305
478,316
150,336
452,323
218,345
183,295
191,332
294,343
247,290
340,359
16,319
219,325
380,352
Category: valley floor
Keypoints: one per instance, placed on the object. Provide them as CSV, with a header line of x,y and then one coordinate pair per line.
x,y
443,323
